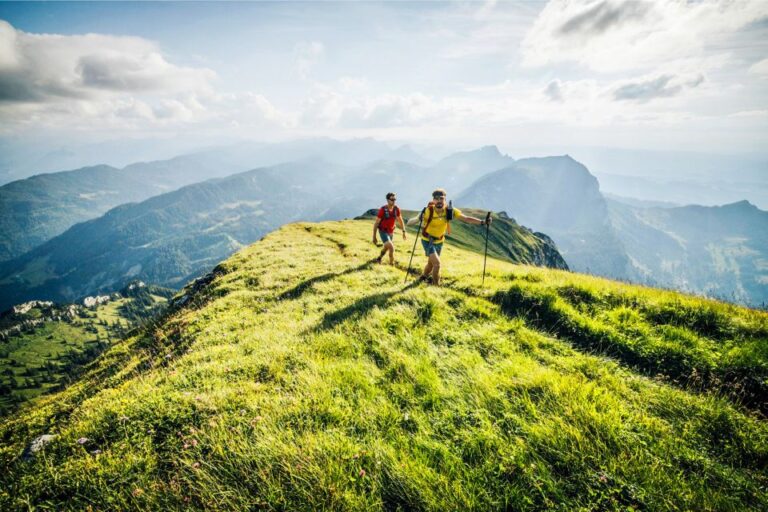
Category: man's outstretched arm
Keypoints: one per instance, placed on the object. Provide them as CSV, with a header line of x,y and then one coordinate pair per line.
x,y
474,220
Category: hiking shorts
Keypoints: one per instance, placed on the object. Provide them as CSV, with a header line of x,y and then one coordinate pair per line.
x,y
431,247
386,237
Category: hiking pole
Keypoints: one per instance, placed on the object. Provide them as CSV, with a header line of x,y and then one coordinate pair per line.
x,y
485,257
421,219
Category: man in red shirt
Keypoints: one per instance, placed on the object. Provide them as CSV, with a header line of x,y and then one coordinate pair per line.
x,y
385,225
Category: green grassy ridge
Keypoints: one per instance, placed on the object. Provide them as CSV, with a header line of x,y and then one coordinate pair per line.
x,y
698,346
304,378
696,343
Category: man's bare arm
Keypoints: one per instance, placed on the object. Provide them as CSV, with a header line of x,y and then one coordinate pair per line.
x,y
412,220
399,221
473,220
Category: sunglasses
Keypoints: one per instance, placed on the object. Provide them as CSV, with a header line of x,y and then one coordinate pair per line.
x,y
392,199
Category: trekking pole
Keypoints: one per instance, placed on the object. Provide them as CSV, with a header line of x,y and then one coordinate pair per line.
x,y
485,257
421,219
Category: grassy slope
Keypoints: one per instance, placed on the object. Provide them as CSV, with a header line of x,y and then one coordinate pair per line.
x,y
305,379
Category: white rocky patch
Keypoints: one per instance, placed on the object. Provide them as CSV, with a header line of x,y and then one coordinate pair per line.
x,y
94,301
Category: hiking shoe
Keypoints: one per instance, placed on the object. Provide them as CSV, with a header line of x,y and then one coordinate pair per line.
x,y
378,260
425,279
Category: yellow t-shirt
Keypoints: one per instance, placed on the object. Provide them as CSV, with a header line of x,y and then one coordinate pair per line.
x,y
438,226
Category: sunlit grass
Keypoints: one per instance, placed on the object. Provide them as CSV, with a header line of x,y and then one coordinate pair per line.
x,y
306,378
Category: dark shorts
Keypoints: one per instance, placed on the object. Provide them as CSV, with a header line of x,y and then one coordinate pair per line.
x,y
386,237
430,247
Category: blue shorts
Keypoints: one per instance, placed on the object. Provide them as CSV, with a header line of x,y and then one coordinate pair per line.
x,y
431,247
386,237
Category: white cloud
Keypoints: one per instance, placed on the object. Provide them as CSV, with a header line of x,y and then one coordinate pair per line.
x,y
617,35
760,68
494,29
40,68
331,107
104,82
586,103
553,91
486,10
95,82
662,86
350,84
307,54
752,114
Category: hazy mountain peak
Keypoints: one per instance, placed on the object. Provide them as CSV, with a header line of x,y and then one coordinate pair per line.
x,y
485,156
406,153
743,205
491,150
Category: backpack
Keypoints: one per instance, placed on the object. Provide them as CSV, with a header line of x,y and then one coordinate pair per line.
x,y
448,217
395,212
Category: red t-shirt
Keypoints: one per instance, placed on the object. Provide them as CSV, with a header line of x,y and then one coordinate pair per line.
x,y
388,225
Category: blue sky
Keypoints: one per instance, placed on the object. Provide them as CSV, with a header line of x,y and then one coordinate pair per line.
x,y
616,73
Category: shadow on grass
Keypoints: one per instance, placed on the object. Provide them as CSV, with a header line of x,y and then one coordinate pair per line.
x,y
359,308
298,290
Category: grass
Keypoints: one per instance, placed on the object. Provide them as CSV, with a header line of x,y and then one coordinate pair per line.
x,y
305,378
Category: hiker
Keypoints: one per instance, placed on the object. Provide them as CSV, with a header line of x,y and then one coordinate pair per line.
x,y
388,215
436,217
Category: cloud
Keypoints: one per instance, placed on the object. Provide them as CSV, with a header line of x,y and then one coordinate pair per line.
x,y
553,91
663,86
395,110
306,56
604,15
760,68
486,10
621,35
751,114
463,32
41,68
104,82
335,107
587,103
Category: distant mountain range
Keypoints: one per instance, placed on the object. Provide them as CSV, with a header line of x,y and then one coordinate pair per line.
x,y
682,177
175,236
36,209
721,251
168,239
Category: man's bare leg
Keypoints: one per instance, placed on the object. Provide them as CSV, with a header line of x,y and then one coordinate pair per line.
x,y
384,250
391,250
434,262
427,269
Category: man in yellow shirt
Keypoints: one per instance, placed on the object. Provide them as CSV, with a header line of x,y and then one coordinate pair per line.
x,y
436,223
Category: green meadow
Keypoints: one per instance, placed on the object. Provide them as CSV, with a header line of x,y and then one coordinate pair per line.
x,y
48,356
307,377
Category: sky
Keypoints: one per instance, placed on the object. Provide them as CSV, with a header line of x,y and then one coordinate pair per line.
x,y
661,75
